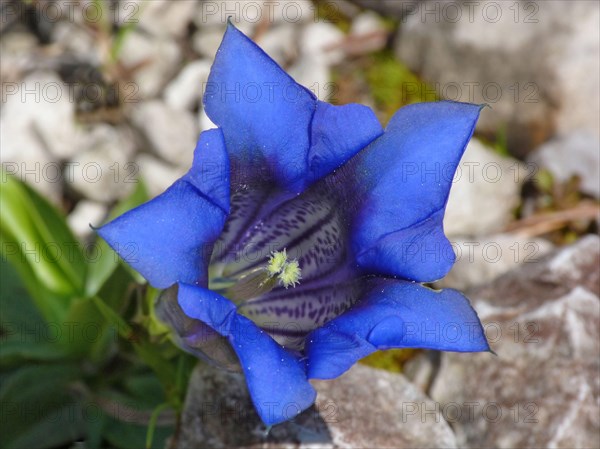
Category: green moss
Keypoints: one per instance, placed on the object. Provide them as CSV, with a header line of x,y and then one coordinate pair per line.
x,y
330,12
390,360
394,85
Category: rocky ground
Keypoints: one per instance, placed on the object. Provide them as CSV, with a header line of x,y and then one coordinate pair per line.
x,y
98,95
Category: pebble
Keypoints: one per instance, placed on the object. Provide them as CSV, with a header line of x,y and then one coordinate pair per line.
x,y
170,133
484,193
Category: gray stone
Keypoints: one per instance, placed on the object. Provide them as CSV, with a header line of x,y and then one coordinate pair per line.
x,y
484,193
154,61
543,388
483,259
367,407
578,154
363,408
218,413
169,133
536,63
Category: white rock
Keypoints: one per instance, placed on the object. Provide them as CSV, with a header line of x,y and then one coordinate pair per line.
x,y
16,53
280,43
484,193
171,133
157,57
206,41
536,63
318,52
102,171
249,13
204,121
289,11
37,131
24,156
186,90
157,175
323,41
481,260
158,17
578,154
367,34
42,104
365,23
577,67
86,213
314,74
17,42
78,40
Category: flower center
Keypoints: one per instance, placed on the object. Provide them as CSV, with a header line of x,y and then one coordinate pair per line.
x,y
278,270
285,262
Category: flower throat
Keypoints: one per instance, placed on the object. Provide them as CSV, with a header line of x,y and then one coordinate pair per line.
x,y
279,270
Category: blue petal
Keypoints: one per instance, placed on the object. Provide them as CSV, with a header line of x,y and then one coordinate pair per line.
x,y
395,314
276,378
403,180
265,115
210,169
338,133
274,128
168,239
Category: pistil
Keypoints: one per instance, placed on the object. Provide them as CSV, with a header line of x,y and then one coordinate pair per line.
x,y
261,280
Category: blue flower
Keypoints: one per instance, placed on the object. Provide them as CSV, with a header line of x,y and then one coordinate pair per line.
x,y
303,231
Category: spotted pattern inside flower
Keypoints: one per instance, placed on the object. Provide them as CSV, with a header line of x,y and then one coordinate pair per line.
x,y
310,232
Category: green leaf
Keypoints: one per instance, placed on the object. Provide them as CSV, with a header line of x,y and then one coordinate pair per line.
x,y
36,238
95,427
37,380
131,436
145,388
152,424
24,334
90,333
150,353
40,407
15,352
128,416
124,329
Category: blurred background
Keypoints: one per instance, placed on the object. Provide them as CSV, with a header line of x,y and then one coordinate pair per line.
x,y
101,109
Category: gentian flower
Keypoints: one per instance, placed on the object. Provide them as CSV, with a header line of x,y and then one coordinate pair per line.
x,y
302,233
